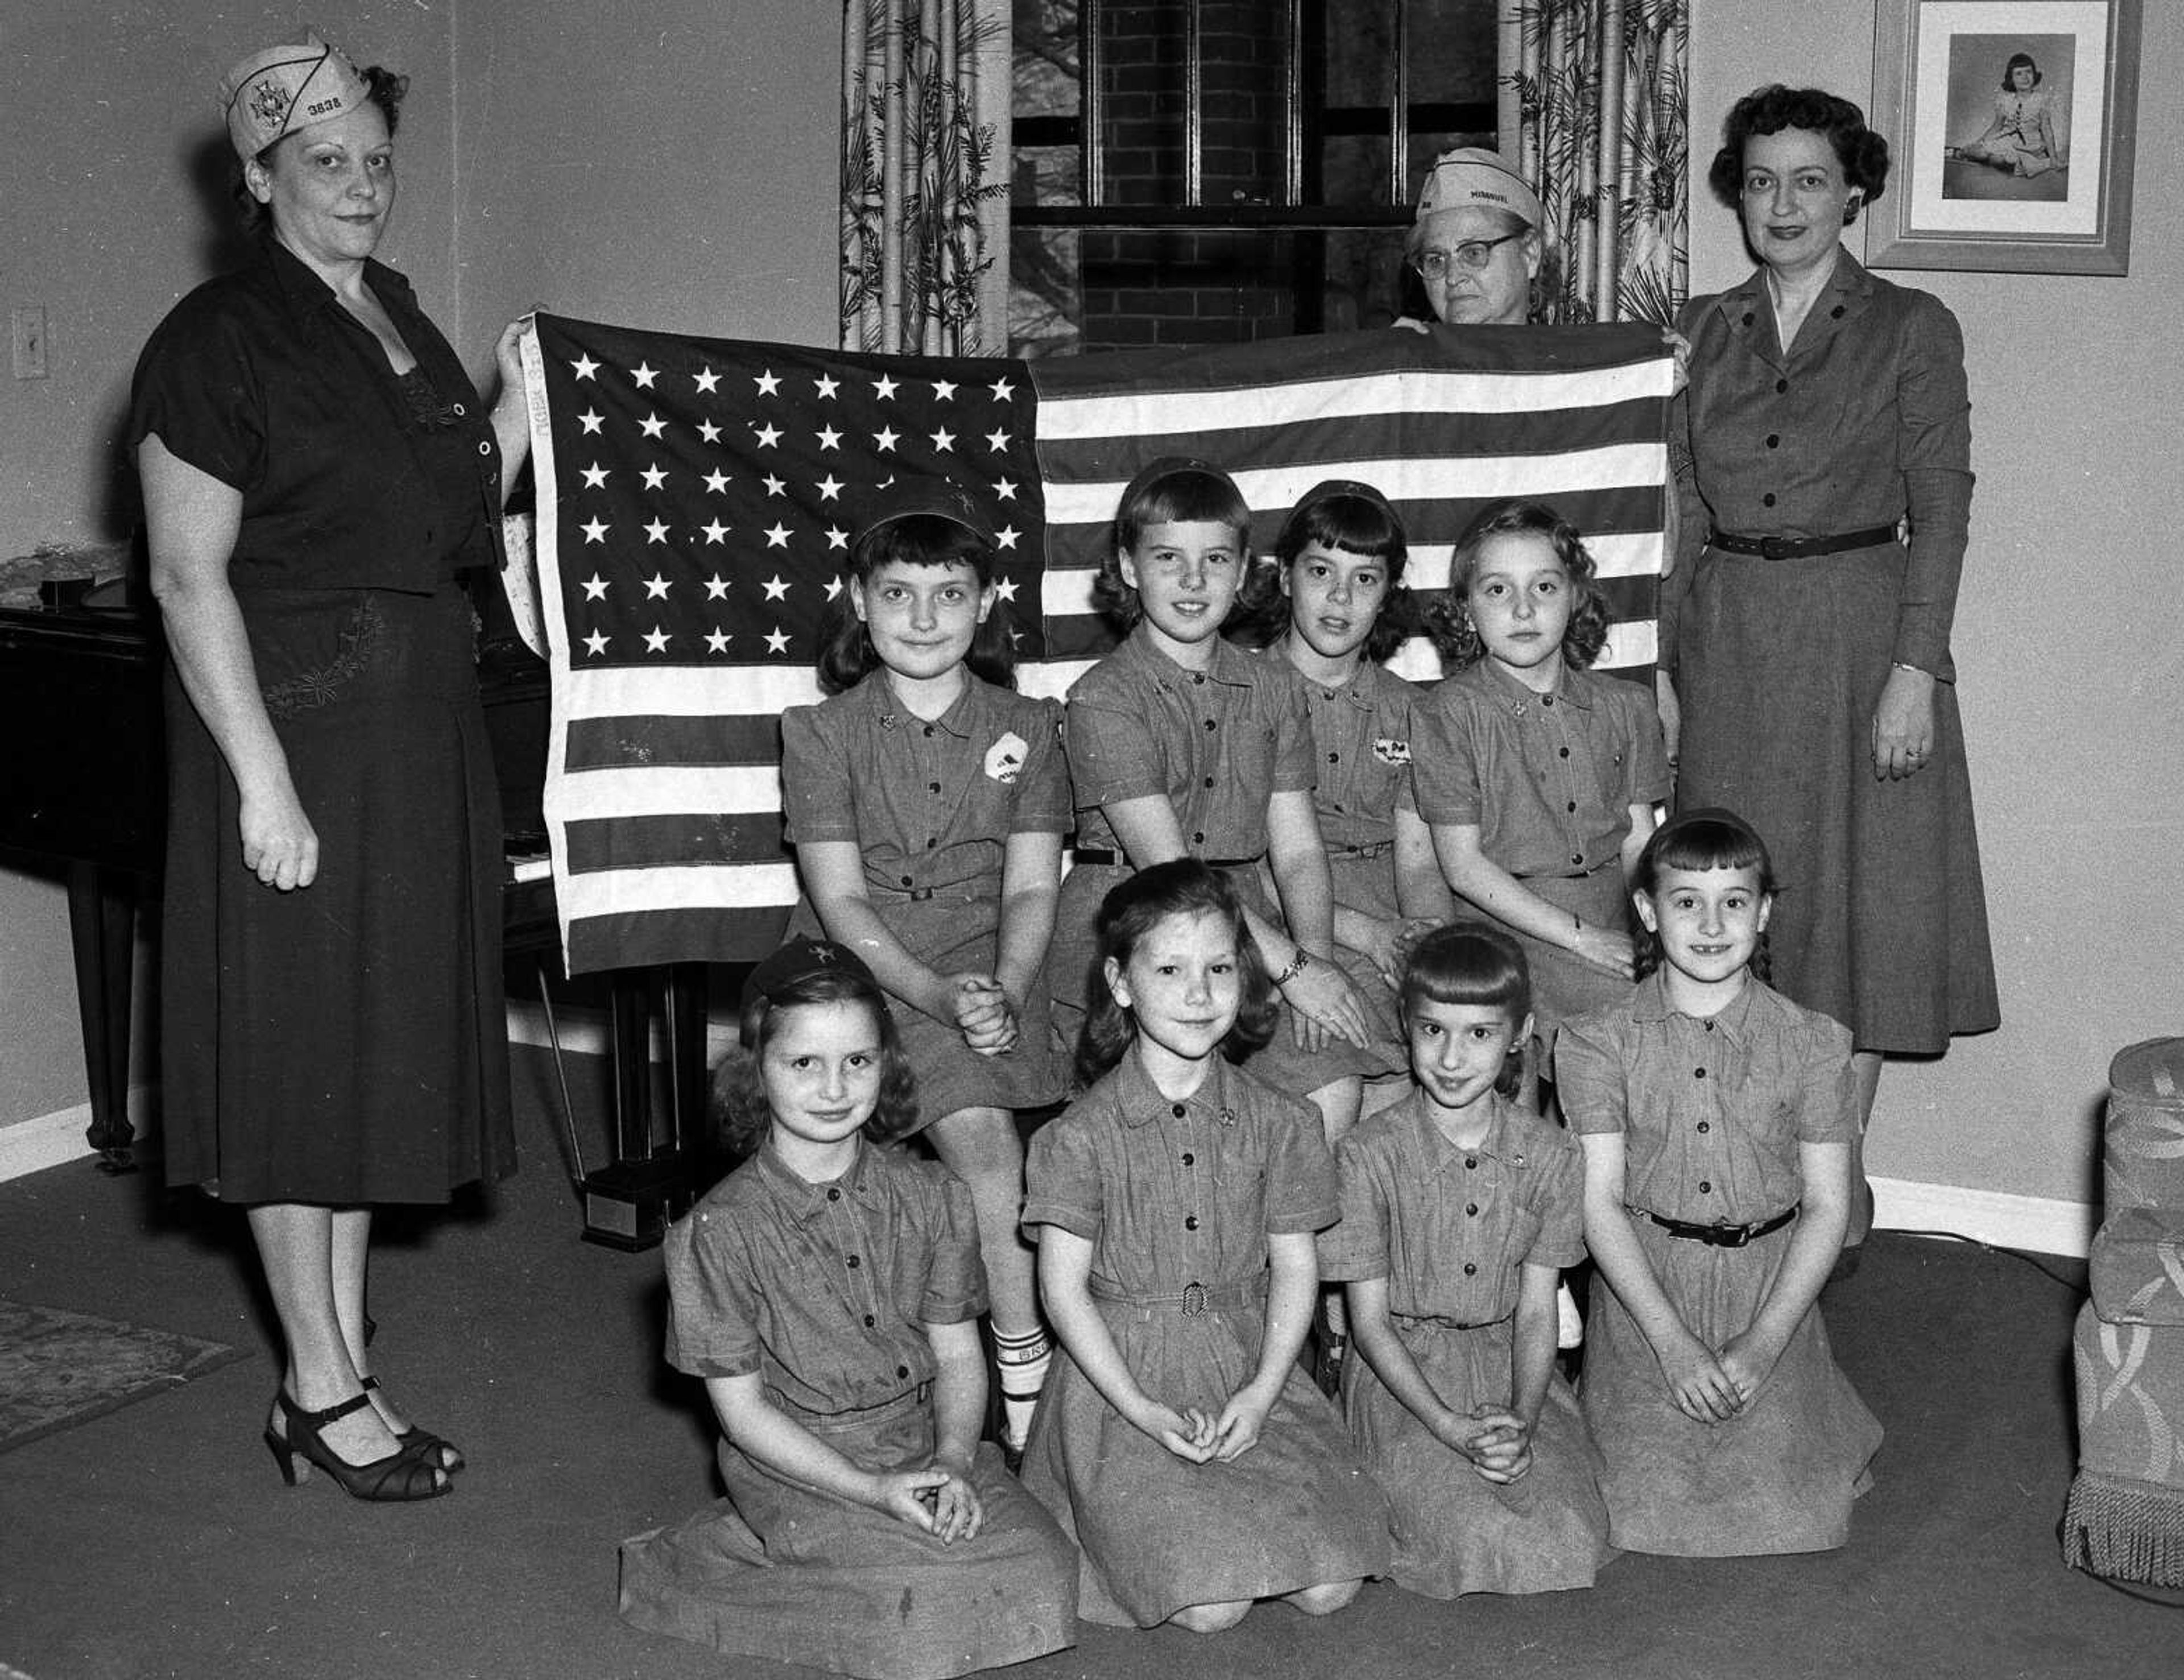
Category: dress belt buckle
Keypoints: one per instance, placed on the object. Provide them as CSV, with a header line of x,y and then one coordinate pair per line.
x,y
1777,548
918,895
1733,1237
1194,1300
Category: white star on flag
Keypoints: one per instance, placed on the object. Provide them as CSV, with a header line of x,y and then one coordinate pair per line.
x,y
716,641
595,530
656,587
769,436
706,379
644,374
717,481
655,532
653,477
776,587
595,588
652,425
767,384
595,476
715,531
827,384
776,642
777,536
585,367
716,587
595,643
656,640
883,387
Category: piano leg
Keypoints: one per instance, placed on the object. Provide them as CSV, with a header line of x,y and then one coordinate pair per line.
x,y
629,1204
103,928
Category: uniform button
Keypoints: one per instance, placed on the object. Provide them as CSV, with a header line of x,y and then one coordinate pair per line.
x,y
1705,1186
1698,1073
485,448
1836,313
1573,805
870,1320
1564,751
1335,758
1212,723
1188,1159
1198,838
928,732
1747,318
1471,1163
833,1193
1209,781
1780,385
460,409
1472,1208
1338,807
1767,500
1470,1270
854,1262
1198,679
1177,1110
1709,1026
1773,440
933,786
1190,1222
1577,858
1706,1125
1546,699
902,1371
906,881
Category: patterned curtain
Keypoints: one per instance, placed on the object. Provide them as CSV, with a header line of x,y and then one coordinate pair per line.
x,y
1604,113
925,93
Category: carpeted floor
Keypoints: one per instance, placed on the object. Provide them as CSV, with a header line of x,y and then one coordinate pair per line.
x,y
158,1541
61,1368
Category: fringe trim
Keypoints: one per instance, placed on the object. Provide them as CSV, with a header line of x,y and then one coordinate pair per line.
x,y
2124,1530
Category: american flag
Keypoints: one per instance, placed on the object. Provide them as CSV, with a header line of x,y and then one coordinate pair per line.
x,y
697,499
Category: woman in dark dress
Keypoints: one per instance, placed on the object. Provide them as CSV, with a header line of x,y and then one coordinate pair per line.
x,y
1823,469
317,471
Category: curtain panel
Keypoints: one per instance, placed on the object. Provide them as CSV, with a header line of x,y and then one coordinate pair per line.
x,y
1602,127
925,103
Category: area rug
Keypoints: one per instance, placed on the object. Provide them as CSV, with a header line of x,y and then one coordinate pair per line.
x,y
60,1368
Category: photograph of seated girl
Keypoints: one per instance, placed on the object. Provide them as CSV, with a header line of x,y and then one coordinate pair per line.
x,y
926,801
828,1291
1536,775
1716,1118
2024,136
1175,1204
1460,1207
1181,745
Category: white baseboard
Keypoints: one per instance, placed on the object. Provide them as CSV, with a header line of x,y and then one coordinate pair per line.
x,y
2036,1223
46,1140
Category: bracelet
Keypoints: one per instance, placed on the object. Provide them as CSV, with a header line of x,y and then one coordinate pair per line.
x,y
1916,670
1298,964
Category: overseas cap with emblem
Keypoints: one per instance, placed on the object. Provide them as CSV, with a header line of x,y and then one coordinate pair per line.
x,y
934,498
278,90
1470,174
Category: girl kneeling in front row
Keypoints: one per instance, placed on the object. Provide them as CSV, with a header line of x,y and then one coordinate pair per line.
x,y
1175,1204
1460,1207
1716,1118
828,1291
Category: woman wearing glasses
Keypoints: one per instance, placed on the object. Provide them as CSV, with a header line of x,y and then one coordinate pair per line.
x,y
1476,244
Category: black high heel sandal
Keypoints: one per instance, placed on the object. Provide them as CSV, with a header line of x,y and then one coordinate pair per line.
x,y
405,1474
452,1459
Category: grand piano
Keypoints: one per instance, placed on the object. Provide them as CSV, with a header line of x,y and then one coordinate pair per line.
x,y
83,785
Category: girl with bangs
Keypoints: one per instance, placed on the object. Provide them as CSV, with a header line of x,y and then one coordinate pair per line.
x,y
1181,745
1460,1207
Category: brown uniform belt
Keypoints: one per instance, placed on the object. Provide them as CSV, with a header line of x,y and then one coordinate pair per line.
x,y
1096,856
1800,547
1722,1236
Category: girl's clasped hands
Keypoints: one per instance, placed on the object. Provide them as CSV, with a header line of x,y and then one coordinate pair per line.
x,y
939,1500
1198,1436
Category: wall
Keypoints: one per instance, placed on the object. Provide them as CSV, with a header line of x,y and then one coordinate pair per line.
x,y
2069,639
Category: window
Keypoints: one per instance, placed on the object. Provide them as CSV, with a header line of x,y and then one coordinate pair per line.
x,y
1210,171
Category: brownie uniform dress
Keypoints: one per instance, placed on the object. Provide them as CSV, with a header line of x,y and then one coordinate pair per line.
x,y
824,1290
1178,1199
1449,1229
1712,1112
1217,744
345,1043
931,807
1881,922
1360,738
1548,780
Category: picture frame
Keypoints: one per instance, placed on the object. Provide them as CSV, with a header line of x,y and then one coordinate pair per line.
x,y
1999,169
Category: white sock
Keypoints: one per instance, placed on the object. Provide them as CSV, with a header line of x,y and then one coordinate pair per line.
x,y
1569,1323
1023,1361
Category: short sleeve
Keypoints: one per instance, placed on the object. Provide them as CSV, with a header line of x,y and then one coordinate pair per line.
x,y
1444,767
1302,1192
1043,802
1590,1077
955,1281
1558,1199
1296,762
1826,1097
1062,1179
816,798
1114,747
1356,1245
712,1324
197,387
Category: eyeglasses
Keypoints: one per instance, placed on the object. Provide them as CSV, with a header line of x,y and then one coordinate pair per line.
x,y
1473,255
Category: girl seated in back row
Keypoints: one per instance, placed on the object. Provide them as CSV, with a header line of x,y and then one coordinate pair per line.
x,y
1175,1204
828,1291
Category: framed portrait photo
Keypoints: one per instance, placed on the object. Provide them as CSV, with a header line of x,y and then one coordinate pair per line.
x,y
2011,125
